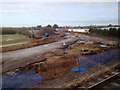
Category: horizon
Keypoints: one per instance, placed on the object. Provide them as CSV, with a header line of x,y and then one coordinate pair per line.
x,y
59,26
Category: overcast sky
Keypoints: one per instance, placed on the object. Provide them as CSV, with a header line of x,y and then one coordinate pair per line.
x,y
61,13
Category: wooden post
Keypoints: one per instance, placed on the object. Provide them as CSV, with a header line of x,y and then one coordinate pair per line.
x,y
55,70
39,70
102,56
33,68
77,62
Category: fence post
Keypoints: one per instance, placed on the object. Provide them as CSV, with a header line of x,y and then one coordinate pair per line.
x,y
102,56
77,62
54,71
33,68
39,70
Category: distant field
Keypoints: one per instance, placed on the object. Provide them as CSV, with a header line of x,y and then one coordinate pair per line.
x,y
10,37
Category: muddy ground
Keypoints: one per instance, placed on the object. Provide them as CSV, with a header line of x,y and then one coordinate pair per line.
x,y
60,61
72,79
53,61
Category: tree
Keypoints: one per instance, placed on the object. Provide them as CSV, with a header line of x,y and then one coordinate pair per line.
x,y
49,25
39,26
26,32
110,25
55,26
8,31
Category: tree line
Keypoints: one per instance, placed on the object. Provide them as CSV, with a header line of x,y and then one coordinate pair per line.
x,y
25,30
8,31
113,32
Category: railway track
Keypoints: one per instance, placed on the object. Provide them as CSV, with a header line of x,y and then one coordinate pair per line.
x,y
101,79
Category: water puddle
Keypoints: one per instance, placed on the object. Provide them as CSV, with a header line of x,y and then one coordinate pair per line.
x,y
9,39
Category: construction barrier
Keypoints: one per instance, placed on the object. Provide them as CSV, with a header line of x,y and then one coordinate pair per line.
x,y
90,60
20,79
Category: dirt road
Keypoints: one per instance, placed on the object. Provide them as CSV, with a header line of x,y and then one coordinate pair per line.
x,y
34,50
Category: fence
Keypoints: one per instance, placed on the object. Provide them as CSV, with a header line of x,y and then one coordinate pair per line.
x,y
21,79
90,60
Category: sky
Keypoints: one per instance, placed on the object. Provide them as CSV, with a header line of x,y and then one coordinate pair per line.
x,y
18,14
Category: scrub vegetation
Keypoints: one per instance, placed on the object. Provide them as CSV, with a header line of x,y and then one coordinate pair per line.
x,y
112,32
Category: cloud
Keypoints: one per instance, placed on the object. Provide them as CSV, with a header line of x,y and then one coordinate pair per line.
x,y
59,1
63,13
53,8
90,22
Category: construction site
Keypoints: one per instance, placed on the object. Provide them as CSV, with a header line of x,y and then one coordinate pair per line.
x,y
60,60
55,44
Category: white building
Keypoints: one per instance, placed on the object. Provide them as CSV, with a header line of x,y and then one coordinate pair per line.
x,y
79,30
107,28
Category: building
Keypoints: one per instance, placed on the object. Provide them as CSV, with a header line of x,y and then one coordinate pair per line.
x,y
107,28
74,30
79,30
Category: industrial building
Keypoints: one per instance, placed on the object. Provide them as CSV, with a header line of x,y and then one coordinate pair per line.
x,y
74,30
79,30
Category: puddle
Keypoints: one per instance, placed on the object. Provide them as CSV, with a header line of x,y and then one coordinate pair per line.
x,y
9,39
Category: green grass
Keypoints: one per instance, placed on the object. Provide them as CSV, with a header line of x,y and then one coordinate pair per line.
x,y
9,37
